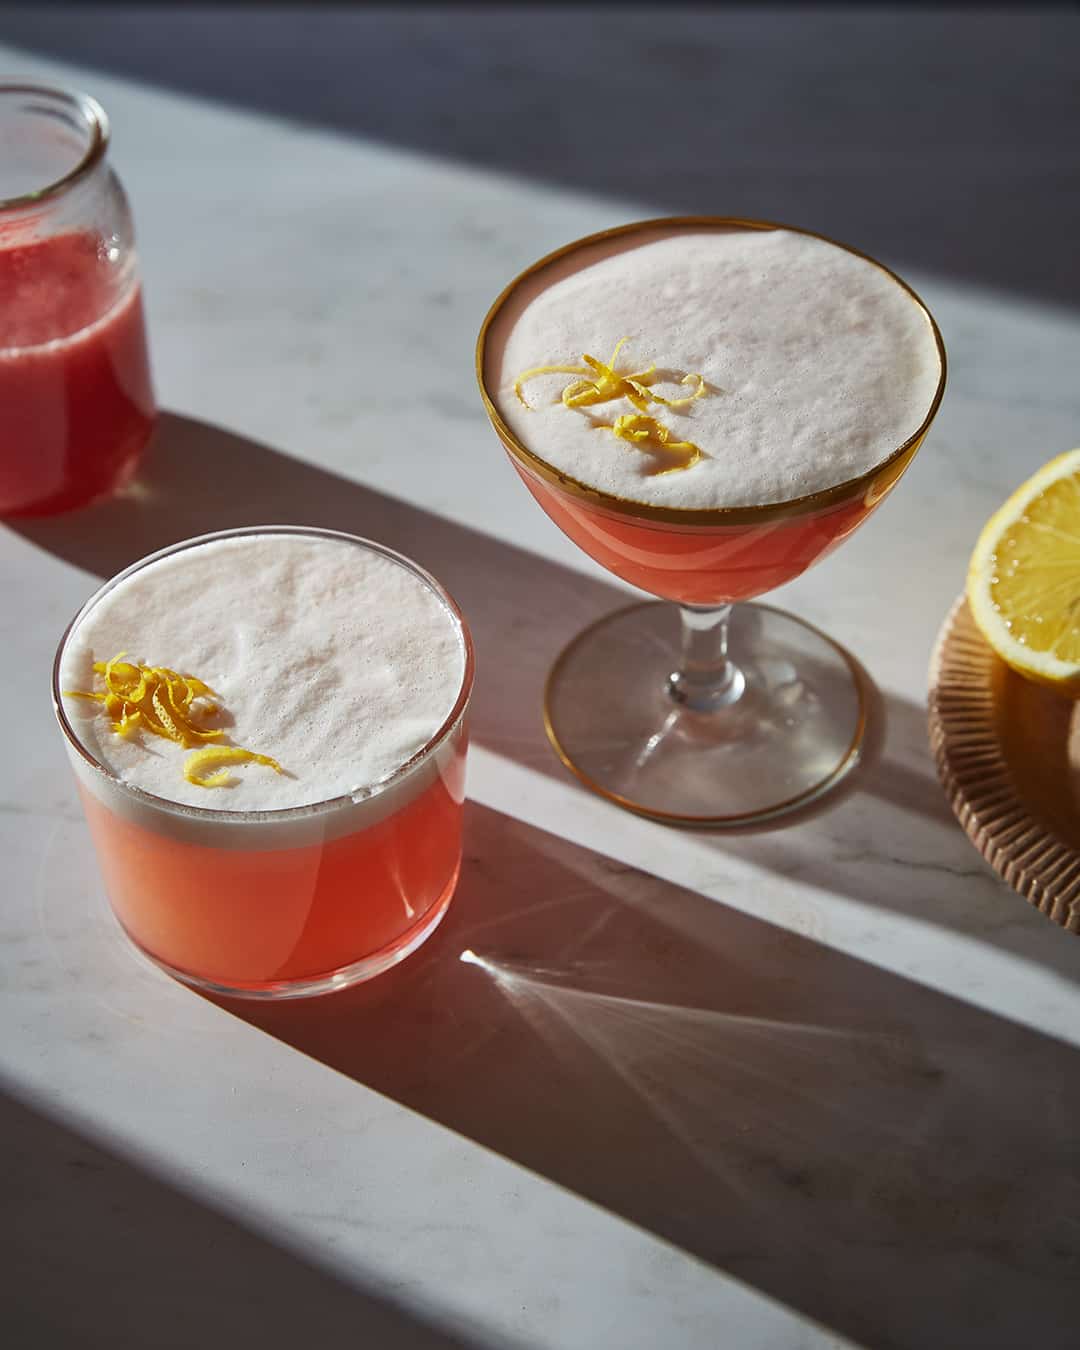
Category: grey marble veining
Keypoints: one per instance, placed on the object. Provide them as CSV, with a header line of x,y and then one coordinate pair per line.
x,y
809,1087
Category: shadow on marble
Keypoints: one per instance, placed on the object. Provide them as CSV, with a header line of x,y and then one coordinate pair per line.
x,y
885,837
891,1162
96,1252
938,141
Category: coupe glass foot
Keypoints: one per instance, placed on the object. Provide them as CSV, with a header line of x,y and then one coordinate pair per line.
x,y
792,733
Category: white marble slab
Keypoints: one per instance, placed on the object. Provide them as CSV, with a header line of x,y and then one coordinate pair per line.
x,y
788,1089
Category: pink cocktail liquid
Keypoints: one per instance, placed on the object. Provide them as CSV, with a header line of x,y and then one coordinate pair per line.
x,y
76,403
251,919
700,564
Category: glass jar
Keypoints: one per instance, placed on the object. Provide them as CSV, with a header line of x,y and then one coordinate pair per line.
x,y
76,401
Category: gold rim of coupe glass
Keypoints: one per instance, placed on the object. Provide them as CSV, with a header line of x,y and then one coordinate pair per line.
x,y
871,485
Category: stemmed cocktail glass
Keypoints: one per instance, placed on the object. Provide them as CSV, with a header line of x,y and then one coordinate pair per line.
x,y
708,710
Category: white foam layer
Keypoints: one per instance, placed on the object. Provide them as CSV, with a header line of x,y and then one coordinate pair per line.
x,y
335,660
818,364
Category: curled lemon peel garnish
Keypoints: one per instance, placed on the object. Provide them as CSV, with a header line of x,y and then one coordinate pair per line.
x,y
644,432
699,392
153,697
199,761
165,703
532,373
607,384
647,433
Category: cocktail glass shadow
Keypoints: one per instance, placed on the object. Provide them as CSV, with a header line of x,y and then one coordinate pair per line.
x,y
709,711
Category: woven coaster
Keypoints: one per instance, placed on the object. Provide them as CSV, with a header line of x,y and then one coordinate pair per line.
x,y
1008,755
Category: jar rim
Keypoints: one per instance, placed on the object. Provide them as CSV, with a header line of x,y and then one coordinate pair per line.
x,y
92,120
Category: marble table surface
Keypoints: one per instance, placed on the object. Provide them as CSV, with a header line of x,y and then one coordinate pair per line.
x,y
807,1087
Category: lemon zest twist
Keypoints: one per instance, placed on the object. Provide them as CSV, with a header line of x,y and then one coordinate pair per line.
x,y
647,433
644,432
199,761
607,384
165,703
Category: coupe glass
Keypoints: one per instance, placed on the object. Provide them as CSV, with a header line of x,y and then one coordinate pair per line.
x,y
703,711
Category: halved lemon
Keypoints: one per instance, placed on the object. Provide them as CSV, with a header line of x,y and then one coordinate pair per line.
x,y
1023,582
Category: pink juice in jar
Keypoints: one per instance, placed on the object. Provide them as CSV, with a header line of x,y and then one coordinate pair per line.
x,y
76,403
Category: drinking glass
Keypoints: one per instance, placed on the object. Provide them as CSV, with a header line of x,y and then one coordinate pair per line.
x,y
704,711
286,902
76,403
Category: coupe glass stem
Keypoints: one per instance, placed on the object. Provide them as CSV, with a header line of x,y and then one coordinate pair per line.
x,y
707,679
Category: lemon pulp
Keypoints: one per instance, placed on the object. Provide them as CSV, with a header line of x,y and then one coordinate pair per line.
x,y
1024,578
